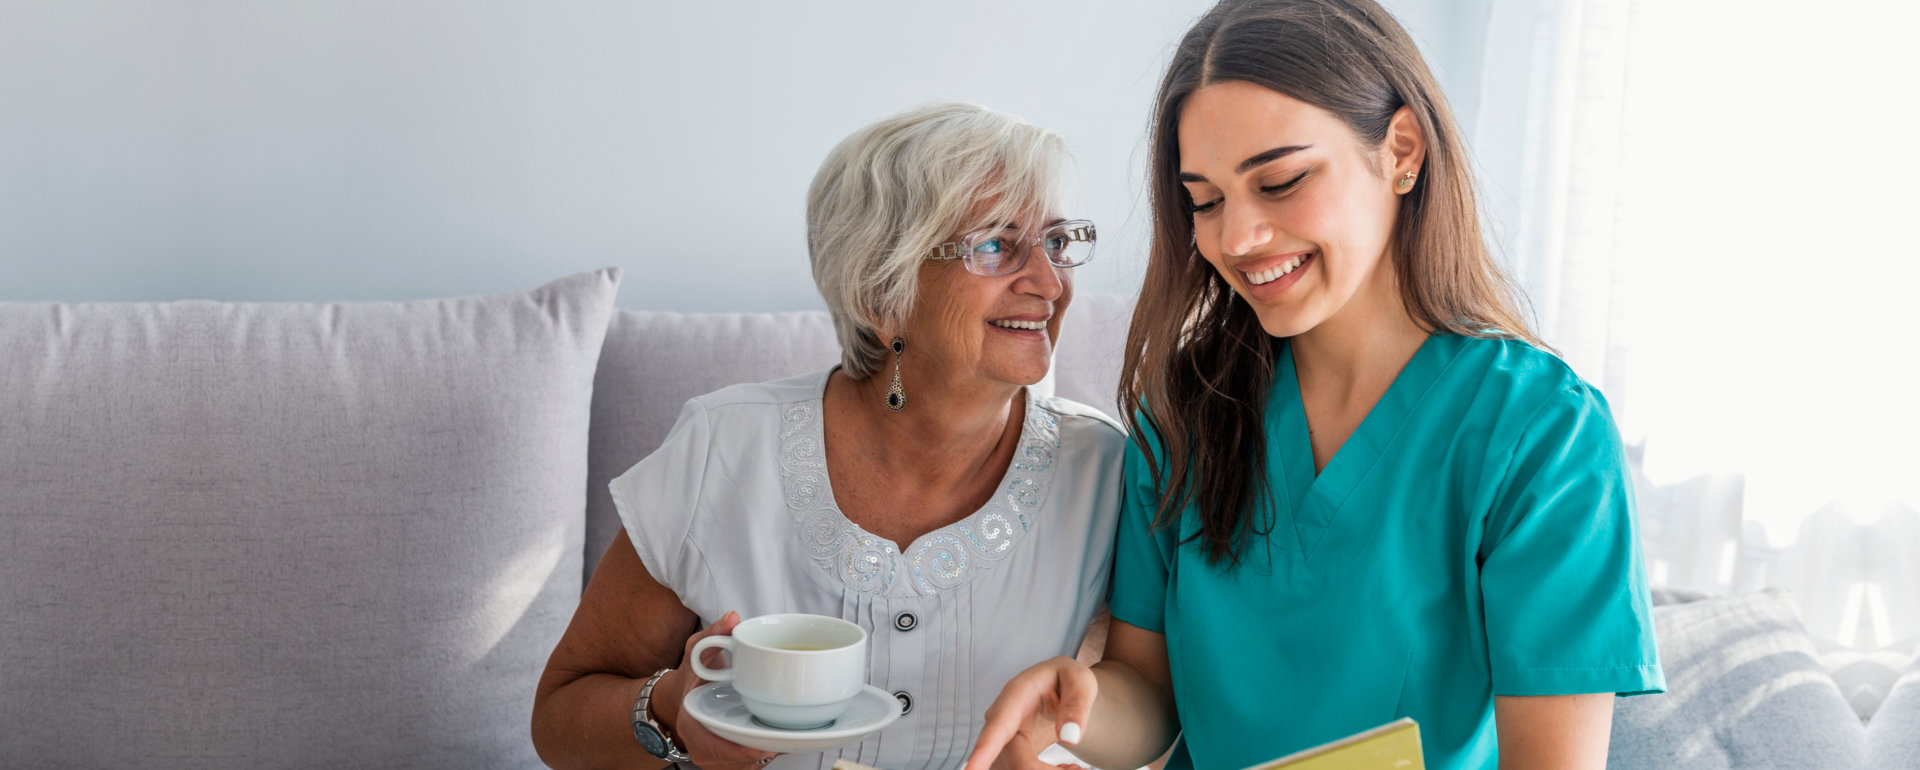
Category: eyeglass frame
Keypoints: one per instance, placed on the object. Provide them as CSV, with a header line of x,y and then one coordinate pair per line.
x,y
1077,230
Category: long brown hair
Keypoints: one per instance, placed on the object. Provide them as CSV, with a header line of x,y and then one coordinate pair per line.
x,y
1199,366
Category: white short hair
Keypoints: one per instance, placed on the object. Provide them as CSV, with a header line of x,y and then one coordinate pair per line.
x,y
891,192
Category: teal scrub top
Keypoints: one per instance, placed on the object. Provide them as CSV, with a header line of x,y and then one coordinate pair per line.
x,y
1474,537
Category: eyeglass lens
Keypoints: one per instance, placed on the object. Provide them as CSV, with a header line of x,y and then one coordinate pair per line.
x,y
1000,253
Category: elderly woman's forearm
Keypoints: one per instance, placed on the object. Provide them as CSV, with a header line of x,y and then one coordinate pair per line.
x,y
587,723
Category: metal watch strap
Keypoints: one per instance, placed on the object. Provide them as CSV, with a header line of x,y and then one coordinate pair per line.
x,y
643,720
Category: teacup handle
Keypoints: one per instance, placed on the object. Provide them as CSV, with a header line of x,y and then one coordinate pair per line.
x,y
725,643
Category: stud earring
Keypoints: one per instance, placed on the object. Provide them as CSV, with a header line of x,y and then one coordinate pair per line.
x,y
1406,182
896,395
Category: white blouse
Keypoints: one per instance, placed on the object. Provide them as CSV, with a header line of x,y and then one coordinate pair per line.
x,y
734,511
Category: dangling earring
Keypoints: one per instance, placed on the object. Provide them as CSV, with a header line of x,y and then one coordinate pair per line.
x,y
1406,182
896,395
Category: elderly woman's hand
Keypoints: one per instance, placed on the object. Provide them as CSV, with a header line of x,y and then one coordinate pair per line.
x,y
709,751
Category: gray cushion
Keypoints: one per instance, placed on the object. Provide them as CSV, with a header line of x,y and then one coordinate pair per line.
x,y
1669,595
287,535
1745,689
1893,739
654,362
1865,677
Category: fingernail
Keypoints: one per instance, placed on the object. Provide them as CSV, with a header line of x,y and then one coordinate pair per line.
x,y
1070,733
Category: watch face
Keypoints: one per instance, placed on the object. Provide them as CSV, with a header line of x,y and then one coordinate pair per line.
x,y
650,739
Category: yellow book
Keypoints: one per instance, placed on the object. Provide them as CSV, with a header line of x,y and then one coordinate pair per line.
x,y
1392,746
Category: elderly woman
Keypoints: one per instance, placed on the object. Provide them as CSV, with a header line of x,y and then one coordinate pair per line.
x,y
919,489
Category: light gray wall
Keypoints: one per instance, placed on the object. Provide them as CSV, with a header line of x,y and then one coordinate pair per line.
x,y
359,150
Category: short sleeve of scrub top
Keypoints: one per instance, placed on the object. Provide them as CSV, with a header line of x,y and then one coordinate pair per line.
x,y
1560,574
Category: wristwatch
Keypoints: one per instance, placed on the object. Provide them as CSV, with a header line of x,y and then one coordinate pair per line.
x,y
651,735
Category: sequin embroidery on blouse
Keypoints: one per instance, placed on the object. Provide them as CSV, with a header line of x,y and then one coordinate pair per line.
x,y
937,561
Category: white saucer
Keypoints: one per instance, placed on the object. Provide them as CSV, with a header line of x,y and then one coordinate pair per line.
x,y
717,706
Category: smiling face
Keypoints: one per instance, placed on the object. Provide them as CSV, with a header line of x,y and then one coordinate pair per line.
x,y
1289,205
989,329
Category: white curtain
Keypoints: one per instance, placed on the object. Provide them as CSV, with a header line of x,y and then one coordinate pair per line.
x,y
1712,206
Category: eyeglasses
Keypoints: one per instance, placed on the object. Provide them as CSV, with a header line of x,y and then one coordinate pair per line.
x,y
996,251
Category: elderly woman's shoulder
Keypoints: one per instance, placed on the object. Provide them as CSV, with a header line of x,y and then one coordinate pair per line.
x,y
781,393
799,387
1083,427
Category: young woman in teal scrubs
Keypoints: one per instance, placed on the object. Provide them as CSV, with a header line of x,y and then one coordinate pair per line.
x,y
1359,488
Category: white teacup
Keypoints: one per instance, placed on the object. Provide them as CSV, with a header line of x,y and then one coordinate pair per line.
x,y
797,672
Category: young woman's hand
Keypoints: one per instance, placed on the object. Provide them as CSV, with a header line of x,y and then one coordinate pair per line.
x,y
709,751
1053,700
1116,713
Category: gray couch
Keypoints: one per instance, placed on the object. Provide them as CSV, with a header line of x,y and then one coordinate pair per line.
x,y
288,535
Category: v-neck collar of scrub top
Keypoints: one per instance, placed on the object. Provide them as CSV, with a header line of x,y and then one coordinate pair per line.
x,y
1312,501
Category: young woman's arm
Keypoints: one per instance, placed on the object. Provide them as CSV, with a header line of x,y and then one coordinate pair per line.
x,y
1559,731
1122,708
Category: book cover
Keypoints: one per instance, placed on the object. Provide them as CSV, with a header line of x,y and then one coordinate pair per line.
x,y
1392,746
